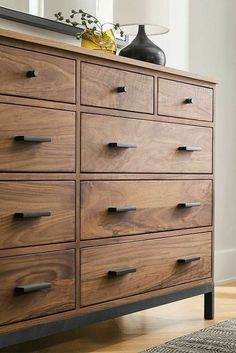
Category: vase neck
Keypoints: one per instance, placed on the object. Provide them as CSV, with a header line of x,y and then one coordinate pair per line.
x,y
141,31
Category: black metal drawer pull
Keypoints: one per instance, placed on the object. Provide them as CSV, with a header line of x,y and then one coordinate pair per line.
x,y
34,214
188,101
122,89
33,139
121,209
188,259
29,288
32,73
121,145
189,204
121,272
189,148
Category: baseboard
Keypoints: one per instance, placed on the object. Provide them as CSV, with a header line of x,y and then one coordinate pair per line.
x,y
225,266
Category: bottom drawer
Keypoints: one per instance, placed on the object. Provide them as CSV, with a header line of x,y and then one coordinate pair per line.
x,y
36,285
116,271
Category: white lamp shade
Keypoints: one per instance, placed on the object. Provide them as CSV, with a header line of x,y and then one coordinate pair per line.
x,y
154,14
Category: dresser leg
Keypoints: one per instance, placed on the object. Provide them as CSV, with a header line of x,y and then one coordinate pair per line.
x,y
209,304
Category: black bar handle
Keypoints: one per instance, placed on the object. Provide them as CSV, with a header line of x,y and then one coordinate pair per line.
x,y
32,73
33,214
122,89
121,145
188,259
121,209
188,101
121,272
29,288
33,139
189,148
189,204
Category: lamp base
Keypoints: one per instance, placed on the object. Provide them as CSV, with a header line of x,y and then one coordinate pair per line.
x,y
142,48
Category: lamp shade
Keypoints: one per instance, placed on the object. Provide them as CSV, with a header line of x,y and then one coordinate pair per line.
x,y
154,14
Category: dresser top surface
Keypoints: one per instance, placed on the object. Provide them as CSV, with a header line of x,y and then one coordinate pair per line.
x,y
92,53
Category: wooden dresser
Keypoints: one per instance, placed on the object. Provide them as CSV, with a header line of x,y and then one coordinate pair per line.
x,y
106,187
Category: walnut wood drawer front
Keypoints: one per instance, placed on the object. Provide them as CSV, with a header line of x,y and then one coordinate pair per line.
x,y
33,213
30,74
106,87
36,139
116,145
121,270
184,100
115,208
36,285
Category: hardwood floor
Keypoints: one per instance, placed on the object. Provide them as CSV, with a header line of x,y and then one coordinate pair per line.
x,y
136,332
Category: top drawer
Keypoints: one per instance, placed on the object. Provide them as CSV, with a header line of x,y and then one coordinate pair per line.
x,y
184,100
106,87
55,76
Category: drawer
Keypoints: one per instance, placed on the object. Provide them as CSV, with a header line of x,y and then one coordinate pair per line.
x,y
117,145
100,86
36,285
121,270
36,139
116,208
34,213
53,78
174,99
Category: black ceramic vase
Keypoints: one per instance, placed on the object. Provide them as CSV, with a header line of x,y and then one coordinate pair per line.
x,y
142,48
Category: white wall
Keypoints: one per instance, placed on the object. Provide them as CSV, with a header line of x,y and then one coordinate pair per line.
x,y
213,52
176,43
53,6
22,5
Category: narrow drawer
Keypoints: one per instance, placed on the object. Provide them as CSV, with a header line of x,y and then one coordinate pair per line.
x,y
31,74
36,139
184,100
106,87
36,285
35,212
121,270
116,145
116,208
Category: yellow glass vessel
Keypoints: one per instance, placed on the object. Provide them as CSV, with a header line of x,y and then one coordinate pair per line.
x,y
105,41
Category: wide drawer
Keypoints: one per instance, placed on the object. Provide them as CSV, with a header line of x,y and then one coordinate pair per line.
x,y
36,139
31,74
115,208
35,212
106,87
118,145
184,100
121,270
36,285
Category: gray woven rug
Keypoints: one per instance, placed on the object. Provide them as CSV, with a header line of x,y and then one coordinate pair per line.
x,y
220,338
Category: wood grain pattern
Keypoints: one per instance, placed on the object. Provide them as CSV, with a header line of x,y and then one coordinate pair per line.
x,y
56,79
142,116
172,96
156,203
21,196
49,45
156,146
55,156
155,263
57,268
59,90
99,88
136,332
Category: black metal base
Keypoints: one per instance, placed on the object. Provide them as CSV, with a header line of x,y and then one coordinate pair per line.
x,y
39,331
142,48
209,305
